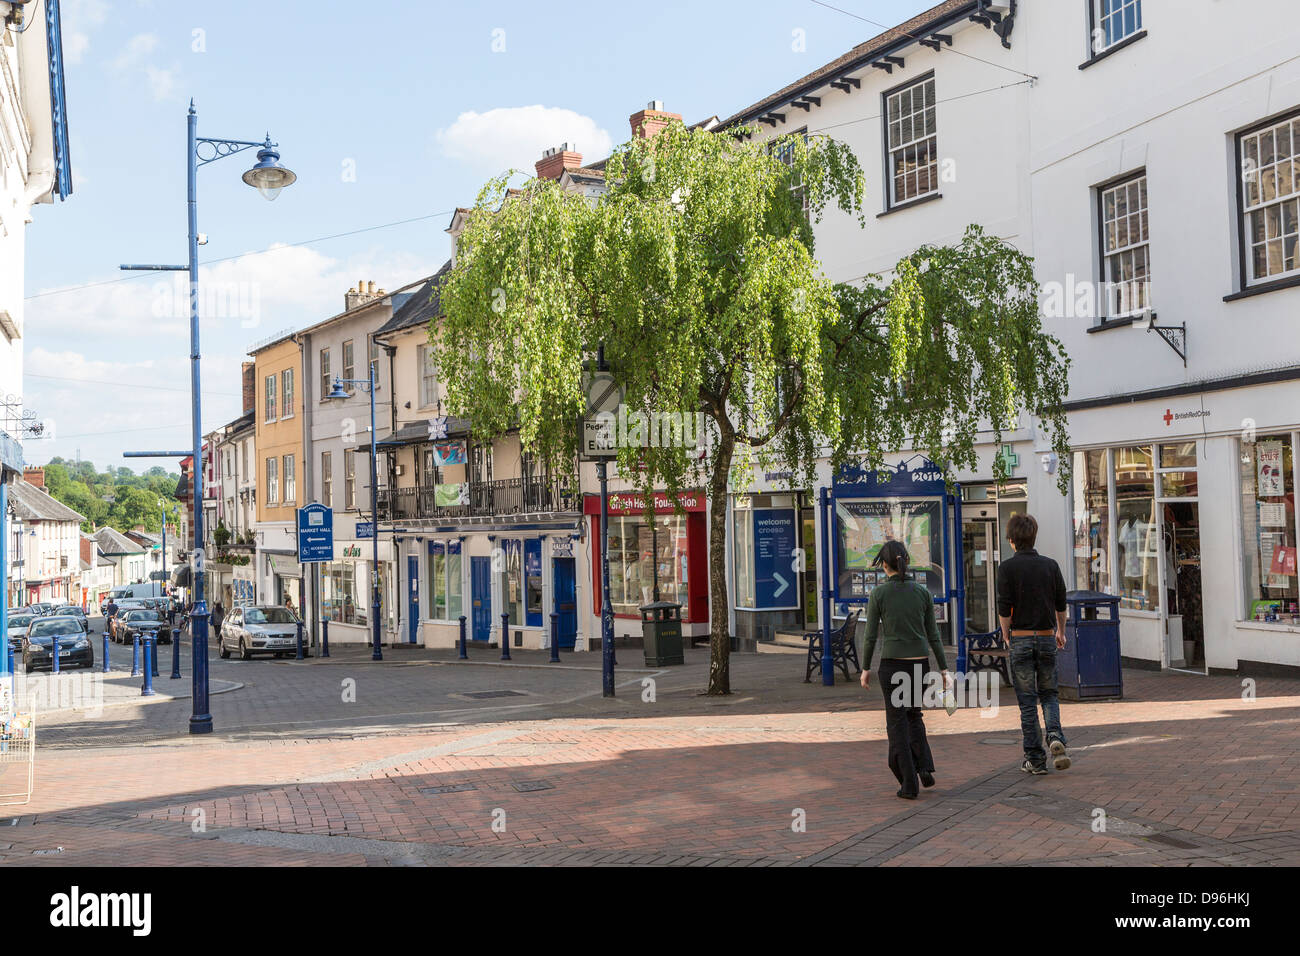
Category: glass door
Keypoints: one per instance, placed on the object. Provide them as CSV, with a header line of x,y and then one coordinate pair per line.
x,y
978,539
1180,554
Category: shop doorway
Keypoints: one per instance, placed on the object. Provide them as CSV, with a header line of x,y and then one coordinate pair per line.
x,y
566,602
481,598
979,542
1182,579
808,519
413,599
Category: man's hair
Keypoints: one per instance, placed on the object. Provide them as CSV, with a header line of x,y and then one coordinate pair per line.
x,y
1022,531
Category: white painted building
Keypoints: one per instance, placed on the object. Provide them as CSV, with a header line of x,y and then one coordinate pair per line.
x,y
1152,168
44,548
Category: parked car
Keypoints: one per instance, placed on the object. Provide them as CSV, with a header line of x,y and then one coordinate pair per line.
x,y
18,622
114,623
75,647
261,629
72,611
41,608
142,622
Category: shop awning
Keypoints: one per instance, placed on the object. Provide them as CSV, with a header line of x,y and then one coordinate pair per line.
x,y
285,565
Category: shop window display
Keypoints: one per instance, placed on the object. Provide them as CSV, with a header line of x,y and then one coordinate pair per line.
x,y
1268,523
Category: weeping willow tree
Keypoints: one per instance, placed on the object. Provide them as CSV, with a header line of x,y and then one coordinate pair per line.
x,y
695,272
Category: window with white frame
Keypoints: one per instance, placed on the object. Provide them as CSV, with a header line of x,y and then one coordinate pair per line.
x,y
270,398
428,377
783,151
286,381
1113,21
272,480
1125,236
327,479
349,480
290,486
1270,199
349,366
912,142
374,360
326,385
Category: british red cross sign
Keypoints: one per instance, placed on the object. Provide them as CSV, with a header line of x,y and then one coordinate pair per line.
x,y
1169,417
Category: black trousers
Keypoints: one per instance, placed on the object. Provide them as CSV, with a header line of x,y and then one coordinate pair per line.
x,y
903,683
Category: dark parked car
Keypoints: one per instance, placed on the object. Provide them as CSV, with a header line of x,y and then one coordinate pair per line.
x,y
115,622
74,612
75,648
259,630
142,622
40,609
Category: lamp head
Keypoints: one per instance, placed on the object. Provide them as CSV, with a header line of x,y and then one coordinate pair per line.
x,y
337,391
267,176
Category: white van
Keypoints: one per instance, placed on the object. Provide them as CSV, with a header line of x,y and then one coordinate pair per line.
x,y
149,589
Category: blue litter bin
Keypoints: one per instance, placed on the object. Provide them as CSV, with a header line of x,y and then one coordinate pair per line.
x,y
1089,667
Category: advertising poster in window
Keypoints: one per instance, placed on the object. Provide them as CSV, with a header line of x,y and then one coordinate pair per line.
x,y
1269,482
775,541
864,525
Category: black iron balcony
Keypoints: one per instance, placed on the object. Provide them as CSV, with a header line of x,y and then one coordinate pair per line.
x,y
506,496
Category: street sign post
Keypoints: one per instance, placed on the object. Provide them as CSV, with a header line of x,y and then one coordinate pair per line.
x,y
315,534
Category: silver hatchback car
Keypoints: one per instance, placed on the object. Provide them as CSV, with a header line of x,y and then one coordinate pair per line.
x,y
260,629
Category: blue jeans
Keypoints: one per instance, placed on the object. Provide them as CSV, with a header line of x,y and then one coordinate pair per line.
x,y
1033,673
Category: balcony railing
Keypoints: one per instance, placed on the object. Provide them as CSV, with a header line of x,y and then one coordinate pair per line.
x,y
507,496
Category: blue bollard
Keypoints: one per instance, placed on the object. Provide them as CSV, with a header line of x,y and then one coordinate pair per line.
x,y
505,637
463,655
54,666
146,686
324,638
176,654
105,667
152,658
298,656
555,638
135,656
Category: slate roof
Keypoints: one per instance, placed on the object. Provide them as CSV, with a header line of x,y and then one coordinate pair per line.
x,y
112,542
33,504
421,308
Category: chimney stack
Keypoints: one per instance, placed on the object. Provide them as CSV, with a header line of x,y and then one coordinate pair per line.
x,y
556,160
34,477
652,120
248,372
363,293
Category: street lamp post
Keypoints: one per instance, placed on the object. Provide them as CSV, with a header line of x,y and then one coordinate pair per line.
x,y
268,177
336,394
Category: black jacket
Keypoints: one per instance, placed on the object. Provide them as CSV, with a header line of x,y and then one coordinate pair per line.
x,y
1030,591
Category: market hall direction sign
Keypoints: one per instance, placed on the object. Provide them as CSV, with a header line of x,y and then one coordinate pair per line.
x,y
315,534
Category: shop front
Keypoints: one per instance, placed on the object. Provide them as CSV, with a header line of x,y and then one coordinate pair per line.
x,y
664,558
773,566
345,593
1202,477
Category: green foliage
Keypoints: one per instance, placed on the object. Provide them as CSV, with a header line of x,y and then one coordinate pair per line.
x,y
117,498
696,273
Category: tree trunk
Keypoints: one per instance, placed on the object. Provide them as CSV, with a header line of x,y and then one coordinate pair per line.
x,y
719,606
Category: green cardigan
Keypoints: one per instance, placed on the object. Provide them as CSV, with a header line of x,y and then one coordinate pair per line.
x,y
906,610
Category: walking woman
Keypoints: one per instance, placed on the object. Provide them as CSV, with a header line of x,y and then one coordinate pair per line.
x,y
904,610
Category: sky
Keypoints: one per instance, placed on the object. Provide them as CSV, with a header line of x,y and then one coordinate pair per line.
x,y
391,114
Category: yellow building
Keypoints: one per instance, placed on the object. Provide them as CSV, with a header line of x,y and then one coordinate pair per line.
x,y
280,468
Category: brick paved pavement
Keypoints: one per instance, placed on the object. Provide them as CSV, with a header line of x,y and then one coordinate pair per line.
x,y
416,772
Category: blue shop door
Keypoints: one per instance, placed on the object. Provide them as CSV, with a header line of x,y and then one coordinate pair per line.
x,y
566,602
413,600
480,593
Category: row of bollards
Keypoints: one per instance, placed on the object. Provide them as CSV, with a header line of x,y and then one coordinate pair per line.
x,y
505,639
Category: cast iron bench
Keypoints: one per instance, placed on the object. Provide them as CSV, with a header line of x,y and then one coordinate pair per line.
x,y
844,650
988,652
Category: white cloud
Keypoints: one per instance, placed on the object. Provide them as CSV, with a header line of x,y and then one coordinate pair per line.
x,y
514,137
136,60
78,17
135,52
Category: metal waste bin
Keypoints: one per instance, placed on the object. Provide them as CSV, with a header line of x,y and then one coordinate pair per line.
x,y
1089,667
661,630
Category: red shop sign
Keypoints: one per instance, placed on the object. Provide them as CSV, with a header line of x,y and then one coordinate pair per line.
x,y
628,503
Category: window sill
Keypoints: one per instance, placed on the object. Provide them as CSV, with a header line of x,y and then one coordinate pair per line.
x,y
1137,612
1106,324
1276,285
909,204
1277,626
1113,48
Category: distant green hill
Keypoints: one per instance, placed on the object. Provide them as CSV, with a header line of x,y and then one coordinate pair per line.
x,y
118,497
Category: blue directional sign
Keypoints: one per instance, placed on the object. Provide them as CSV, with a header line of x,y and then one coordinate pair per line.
x,y
776,584
315,534
365,530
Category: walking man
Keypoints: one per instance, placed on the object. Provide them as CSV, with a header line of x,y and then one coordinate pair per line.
x,y
1031,613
